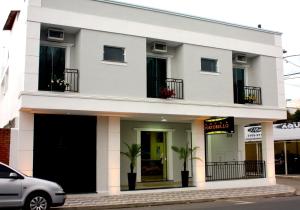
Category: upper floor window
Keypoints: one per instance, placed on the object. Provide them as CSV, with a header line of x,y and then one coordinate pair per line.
x,y
209,65
114,54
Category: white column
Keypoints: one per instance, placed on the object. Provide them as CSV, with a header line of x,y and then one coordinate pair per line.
x,y
138,160
268,150
170,154
23,157
108,155
31,75
102,154
285,160
198,140
241,143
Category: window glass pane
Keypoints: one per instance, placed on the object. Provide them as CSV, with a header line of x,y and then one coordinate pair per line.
x,y
113,54
209,65
4,171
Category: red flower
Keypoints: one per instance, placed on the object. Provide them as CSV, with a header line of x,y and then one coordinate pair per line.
x,y
166,92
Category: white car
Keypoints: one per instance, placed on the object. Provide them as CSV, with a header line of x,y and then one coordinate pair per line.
x,y
19,190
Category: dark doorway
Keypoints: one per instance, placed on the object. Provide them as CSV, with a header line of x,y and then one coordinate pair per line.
x,y
52,66
156,76
153,155
239,85
65,151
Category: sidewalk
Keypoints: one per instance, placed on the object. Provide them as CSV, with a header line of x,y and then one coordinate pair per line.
x,y
157,197
290,180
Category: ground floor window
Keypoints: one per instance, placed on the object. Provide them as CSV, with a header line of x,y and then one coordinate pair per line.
x,y
287,157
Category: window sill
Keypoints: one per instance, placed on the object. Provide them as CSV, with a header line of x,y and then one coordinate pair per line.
x,y
209,73
114,63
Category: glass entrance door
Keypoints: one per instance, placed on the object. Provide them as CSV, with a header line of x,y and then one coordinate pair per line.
x,y
52,66
153,156
156,76
238,85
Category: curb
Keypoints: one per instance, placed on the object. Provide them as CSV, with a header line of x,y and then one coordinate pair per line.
x,y
133,205
288,177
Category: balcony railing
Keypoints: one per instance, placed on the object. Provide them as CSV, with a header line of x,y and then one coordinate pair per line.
x,y
177,86
252,95
218,171
168,88
66,81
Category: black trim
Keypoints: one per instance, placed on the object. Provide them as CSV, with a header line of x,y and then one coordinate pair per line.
x,y
9,194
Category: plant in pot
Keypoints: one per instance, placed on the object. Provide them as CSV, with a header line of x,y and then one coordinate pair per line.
x,y
134,150
184,153
166,92
58,84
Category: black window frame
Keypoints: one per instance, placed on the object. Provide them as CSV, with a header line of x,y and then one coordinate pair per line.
x,y
109,58
204,69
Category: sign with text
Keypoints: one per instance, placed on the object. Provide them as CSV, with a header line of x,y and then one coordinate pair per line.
x,y
282,131
220,125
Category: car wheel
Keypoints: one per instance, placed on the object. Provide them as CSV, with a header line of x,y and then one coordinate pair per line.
x,y
37,201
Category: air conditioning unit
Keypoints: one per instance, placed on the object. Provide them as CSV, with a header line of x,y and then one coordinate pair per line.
x,y
240,58
159,47
55,34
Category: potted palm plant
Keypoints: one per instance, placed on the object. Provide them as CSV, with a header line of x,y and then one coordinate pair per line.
x,y
134,150
184,153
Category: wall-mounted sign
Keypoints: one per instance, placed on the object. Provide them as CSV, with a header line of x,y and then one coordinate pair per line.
x,y
282,131
219,125
253,132
291,125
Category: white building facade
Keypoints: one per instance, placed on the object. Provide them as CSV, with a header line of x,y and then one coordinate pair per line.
x,y
84,76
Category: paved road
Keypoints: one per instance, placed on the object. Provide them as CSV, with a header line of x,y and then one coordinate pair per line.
x,y
283,203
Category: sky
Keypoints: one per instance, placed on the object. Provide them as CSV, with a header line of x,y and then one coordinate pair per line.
x,y
277,15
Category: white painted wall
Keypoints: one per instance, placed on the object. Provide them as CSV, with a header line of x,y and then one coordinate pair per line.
x,y
131,14
15,42
222,148
53,14
100,78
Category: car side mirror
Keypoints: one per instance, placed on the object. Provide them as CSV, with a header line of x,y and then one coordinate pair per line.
x,y
14,176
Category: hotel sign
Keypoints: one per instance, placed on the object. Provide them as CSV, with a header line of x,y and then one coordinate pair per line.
x,y
219,125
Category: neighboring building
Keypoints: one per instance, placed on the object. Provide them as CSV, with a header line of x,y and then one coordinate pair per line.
x,y
286,146
83,76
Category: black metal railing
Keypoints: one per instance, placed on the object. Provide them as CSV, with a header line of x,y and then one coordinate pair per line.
x,y
176,85
72,79
218,171
67,81
252,95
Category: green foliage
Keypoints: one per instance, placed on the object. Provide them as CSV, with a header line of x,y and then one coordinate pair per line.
x,y
134,150
184,153
296,116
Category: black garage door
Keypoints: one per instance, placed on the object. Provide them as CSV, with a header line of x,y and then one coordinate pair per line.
x,y
65,151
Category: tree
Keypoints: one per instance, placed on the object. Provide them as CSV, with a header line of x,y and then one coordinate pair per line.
x,y
296,116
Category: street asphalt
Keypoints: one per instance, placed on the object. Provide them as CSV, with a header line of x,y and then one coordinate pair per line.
x,y
282,203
